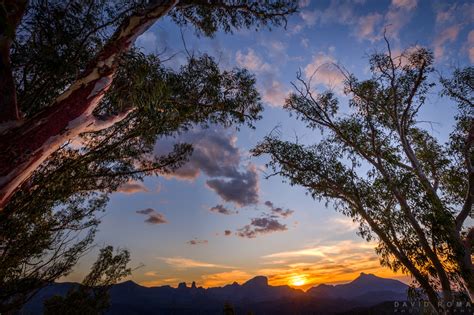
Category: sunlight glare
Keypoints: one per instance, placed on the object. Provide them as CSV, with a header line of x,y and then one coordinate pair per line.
x,y
298,281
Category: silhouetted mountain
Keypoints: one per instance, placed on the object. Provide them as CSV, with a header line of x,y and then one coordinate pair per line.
x,y
365,288
254,295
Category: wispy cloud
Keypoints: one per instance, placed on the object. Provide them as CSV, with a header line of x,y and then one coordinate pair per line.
x,y
132,187
186,263
322,70
337,248
223,278
251,61
470,43
448,35
336,262
405,4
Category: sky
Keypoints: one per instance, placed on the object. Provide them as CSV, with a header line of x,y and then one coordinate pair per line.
x,y
219,219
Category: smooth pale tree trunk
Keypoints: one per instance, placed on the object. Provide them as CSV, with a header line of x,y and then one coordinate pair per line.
x,y
24,148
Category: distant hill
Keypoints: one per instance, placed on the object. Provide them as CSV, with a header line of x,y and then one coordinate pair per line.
x,y
255,295
366,287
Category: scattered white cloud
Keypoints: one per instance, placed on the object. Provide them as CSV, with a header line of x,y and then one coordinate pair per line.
x,y
275,93
147,41
470,43
322,70
305,42
251,61
304,3
446,36
405,4
369,26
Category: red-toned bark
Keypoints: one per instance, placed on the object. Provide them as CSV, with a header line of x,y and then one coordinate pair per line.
x,y
25,148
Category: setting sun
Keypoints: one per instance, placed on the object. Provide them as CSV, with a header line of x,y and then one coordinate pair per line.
x,y
297,281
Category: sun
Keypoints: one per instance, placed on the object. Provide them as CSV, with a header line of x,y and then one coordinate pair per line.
x,y
297,281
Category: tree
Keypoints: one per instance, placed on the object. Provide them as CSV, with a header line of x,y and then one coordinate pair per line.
x,y
228,309
377,165
55,57
92,297
75,98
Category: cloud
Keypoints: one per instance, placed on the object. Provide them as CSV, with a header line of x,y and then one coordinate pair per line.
x,y
347,224
186,263
405,4
329,250
132,187
304,3
305,42
241,189
147,41
274,93
263,225
277,210
195,241
454,13
331,262
322,70
470,42
251,61
223,278
368,26
153,216
395,20
216,155
446,36
227,232
221,209
310,17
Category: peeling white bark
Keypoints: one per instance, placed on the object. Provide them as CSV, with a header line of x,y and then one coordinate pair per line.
x,y
72,108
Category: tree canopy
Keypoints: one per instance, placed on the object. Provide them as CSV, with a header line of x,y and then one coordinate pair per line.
x,y
89,108
376,164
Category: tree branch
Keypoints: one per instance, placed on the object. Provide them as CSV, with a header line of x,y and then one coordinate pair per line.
x,y
11,13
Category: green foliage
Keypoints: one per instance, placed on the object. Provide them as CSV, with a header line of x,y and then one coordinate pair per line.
x,y
207,17
56,41
378,166
92,296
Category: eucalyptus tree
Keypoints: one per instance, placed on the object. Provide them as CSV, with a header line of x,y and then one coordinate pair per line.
x,y
81,109
92,296
375,163
84,41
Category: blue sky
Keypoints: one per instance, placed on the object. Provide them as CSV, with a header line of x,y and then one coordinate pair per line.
x,y
292,239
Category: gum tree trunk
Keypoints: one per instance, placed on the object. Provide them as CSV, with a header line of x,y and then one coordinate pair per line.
x,y
24,148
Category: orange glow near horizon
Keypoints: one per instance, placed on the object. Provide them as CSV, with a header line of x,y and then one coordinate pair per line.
x,y
297,281
303,268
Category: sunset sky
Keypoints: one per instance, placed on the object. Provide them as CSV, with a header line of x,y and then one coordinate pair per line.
x,y
218,220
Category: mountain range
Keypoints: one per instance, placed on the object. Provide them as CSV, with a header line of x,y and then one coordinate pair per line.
x,y
255,296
